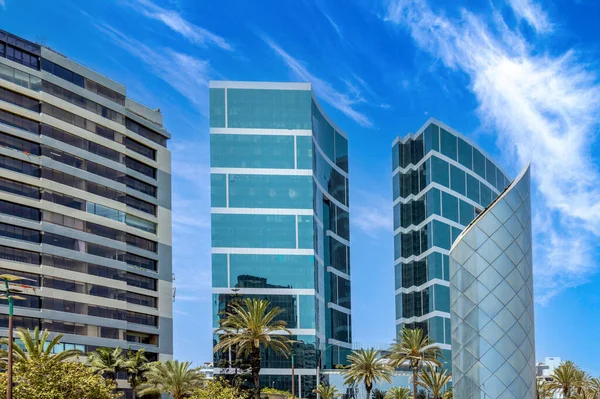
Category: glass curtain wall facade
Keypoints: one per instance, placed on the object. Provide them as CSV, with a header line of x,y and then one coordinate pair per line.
x,y
491,294
280,221
441,181
85,204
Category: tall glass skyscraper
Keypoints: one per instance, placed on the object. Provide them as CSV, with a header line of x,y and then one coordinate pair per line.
x,y
279,212
491,295
85,204
441,181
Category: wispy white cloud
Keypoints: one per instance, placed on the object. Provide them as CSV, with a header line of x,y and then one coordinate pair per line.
x,y
186,74
193,33
544,109
533,14
344,102
372,214
334,25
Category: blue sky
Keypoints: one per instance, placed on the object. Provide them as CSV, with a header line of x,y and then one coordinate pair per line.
x,y
516,76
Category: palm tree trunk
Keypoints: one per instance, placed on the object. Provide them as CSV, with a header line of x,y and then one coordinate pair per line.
x,y
415,378
255,364
368,389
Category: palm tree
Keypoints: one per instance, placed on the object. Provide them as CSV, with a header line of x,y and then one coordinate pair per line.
x,y
136,366
449,394
327,392
415,349
566,378
583,388
543,389
171,377
595,386
398,393
368,367
378,394
107,361
434,381
37,347
248,328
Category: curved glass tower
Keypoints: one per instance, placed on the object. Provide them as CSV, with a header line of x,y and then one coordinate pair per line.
x,y
491,295
441,181
280,221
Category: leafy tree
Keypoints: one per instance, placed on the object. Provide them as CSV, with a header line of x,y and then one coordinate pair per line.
x,y
368,367
566,379
247,328
217,389
327,391
434,381
543,390
414,349
107,361
54,379
398,393
136,366
422,394
171,377
378,394
38,347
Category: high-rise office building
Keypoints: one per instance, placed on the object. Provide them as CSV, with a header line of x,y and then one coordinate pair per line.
x,y
279,212
491,300
441,181
85,204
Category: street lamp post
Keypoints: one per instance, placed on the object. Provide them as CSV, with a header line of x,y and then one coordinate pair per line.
x,y
9,296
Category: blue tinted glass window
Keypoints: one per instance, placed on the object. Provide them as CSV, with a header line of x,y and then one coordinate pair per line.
x,y
396,185
397,246
436,329
268,109
218,190
467,213
434,204
307,311
486,195
439,171
455,233
500,180
217,107
472,188
446,261
457,180
270,191
324,133
341,152
395,157
253,231
330,179
448,141
398,306
271,271
478,163
441,234
432,138
304,149
398,276
251,151
219,270
449,207
448,336
434,266
442,298
465,154
490,172
305,232
397,215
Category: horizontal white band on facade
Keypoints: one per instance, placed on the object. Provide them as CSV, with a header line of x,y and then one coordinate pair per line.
x,y
433,217
319,259
338,238
330,197
328,119
319,297
260,131
335,342
337,307
231,84
262,211
265,291
450,161
262,171
433,185
331,162
435,281
414,258
263,251
319,221
415,319
335,271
